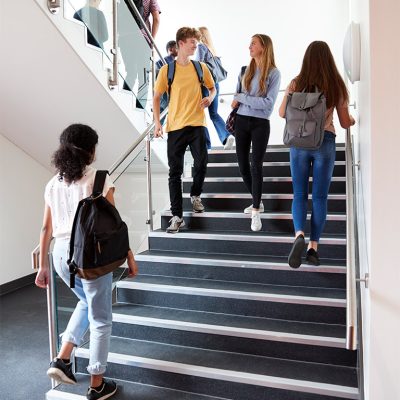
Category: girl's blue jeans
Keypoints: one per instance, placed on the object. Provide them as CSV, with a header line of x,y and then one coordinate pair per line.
x,y
93,310
321,163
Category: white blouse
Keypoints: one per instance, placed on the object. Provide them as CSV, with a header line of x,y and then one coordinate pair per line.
x,y
63,199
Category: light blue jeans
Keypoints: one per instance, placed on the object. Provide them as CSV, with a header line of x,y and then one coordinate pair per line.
x,y
93,311
321,162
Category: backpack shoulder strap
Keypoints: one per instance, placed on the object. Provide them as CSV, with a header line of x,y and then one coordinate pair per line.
x,y
170,76
199,71
99,181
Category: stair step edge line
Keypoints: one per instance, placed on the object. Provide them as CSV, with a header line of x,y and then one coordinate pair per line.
x,y
239,237
265,164
58,395
232,294
275,196
242,215
238,264
230,376
265,179
224,330
269,150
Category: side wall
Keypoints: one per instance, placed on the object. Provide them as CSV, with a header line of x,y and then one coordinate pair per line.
x,y
22,180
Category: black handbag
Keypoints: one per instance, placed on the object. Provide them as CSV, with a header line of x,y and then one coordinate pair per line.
x,y
230,122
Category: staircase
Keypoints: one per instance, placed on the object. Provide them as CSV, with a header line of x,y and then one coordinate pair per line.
x,y
216,313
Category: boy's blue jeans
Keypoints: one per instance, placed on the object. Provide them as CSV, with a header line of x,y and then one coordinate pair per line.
x,y
321,162
93,311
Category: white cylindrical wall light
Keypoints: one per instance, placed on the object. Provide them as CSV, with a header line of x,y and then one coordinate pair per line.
x,y
352,52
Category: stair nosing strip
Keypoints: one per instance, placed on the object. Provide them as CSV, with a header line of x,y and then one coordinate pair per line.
x,y
225,330
269,150
265,164
274,196
242,215
265,179
233,294
239,264
326,389
240,237
53,394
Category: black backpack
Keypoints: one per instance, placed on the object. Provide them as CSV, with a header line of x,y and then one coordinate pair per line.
x,y
140,7
99,238
199,71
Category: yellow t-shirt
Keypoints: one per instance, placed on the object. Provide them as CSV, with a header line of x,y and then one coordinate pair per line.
x,y
184,105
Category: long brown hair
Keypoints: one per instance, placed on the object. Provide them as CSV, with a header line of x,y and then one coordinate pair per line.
x,y
319,70
267,64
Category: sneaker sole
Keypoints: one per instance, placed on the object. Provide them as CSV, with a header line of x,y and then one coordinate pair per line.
x,y
107,396
198,211
59,376
180,226
294,259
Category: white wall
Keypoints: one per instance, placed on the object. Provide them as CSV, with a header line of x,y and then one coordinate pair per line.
x,y
378,181
22,181
291,24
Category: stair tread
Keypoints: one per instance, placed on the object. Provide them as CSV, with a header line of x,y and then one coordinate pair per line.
x,y
262,366
310,292
242,258
234,321
130,390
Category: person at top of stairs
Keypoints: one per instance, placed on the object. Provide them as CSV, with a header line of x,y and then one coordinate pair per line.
x,y
186,122
74,182
260,87
318,71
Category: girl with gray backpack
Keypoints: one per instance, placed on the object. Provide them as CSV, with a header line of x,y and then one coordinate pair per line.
x,y
318,75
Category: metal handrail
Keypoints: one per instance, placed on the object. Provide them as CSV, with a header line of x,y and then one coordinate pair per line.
x,y
113,79
351,294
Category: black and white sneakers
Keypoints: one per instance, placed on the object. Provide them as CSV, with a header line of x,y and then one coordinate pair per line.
x,y
106,390
296,253
61,372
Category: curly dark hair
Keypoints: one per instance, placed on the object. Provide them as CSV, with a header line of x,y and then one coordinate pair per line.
x,y
76,151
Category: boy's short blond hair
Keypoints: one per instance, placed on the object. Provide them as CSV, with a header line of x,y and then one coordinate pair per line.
x,y
187,33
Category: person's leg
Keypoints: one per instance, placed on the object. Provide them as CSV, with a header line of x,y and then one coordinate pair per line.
x,y
99,297
78,323
243,143
216,119
176,147
300,162
197,145
323,165
260,129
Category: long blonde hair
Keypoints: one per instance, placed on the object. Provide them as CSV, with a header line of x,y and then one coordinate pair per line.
x,y
266,65
206,39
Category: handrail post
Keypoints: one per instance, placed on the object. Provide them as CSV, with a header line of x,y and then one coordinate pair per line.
x,y
52,314
351,309
53,6
113,78
149,188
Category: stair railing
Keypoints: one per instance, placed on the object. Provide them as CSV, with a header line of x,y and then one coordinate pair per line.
x,y
351,293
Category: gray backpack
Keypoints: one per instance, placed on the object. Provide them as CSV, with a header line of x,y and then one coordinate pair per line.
x,y
305,120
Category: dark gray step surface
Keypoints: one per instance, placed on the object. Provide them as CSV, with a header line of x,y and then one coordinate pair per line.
x,y
257,336
270,185
264,366
126,391
272,202
256,243
267,301
271,155
269,169
251,269
238,221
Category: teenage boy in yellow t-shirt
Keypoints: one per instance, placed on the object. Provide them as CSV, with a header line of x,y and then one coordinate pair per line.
x,y
186,123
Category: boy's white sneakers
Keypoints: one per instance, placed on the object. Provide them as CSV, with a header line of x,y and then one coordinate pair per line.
x,y
249,209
